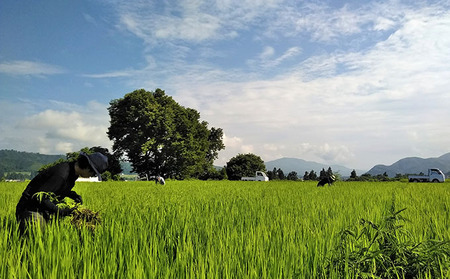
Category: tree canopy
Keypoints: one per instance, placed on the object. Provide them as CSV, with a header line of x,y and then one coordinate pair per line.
x,y
244,165
160,137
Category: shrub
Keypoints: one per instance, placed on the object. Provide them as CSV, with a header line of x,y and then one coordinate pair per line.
x,y
386,251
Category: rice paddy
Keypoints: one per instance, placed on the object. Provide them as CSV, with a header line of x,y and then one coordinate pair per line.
x,y
219,229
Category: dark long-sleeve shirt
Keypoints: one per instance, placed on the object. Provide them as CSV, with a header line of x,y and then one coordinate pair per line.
x,y
59,179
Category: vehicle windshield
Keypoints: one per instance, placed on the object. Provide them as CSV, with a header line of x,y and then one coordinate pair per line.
x,y
435,171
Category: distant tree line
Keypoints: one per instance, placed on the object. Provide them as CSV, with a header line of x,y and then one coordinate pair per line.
x,y
19,165
278,174
21,176
378,177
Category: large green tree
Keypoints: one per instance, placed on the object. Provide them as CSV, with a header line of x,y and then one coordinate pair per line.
x,y
244,165
161,137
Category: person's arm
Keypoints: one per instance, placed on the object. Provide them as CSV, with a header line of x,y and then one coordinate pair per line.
x,y
53,184
48,205
74,196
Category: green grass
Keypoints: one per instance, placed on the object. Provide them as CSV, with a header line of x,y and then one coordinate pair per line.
x,y
216,229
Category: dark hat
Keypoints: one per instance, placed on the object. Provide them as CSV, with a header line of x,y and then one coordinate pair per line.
x,y
98,162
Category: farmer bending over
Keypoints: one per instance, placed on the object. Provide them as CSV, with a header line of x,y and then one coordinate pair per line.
x,y
59,180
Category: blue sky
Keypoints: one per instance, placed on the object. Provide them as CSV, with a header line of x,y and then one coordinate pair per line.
x,y
355,83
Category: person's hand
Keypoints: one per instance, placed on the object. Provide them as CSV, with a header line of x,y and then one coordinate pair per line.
x,y
78,199
66,211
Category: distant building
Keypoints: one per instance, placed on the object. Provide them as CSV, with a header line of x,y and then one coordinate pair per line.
x,y
90,179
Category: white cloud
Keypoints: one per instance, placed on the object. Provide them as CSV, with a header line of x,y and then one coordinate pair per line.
x,y
342,104
56,130
360,84
267,60
267,53
22,67
116,74
194,21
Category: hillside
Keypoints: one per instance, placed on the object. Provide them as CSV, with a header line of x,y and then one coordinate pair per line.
x,y
413,165
301,166
17,161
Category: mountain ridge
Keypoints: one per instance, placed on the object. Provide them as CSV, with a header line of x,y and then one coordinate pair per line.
x,y
21,161
413,165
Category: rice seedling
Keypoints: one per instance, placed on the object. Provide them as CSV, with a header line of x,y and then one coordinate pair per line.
x,y
386,251
81,217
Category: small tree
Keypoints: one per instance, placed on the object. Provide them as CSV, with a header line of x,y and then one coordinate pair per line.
x,y
292,176
272,175
312,175
244,165
306,176
280,174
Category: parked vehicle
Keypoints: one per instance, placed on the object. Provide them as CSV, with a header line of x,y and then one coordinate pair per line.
x,y
259,176
434,175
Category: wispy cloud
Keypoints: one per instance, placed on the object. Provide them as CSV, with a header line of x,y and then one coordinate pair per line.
x,y
22,67
341,83
116,74
268,59
193,21
374,94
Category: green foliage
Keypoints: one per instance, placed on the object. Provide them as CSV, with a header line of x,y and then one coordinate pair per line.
x,y
161,137
312,175
387,250
81,217
12,161
292,176
379,177
213,174
244,165
40,196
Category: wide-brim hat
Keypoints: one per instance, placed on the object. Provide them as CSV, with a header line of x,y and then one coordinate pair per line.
x,y
98,162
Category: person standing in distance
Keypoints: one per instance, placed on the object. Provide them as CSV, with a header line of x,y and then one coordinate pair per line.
x,y
59,180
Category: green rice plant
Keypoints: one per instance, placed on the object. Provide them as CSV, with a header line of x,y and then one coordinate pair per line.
x,y
219,229
386,251
81,217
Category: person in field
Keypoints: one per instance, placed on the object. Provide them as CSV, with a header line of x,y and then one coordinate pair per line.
x,y
159,179
328,179
58,180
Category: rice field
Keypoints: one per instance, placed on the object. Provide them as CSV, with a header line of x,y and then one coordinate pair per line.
x,y
216,229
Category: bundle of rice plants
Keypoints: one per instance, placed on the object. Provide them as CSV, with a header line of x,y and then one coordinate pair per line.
x,y
85,218
81,217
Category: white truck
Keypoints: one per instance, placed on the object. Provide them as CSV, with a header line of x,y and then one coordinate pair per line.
x,y
434,175
259,176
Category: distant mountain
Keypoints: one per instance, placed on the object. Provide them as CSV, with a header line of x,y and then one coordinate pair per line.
x,y
17,161
301,166
413,165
